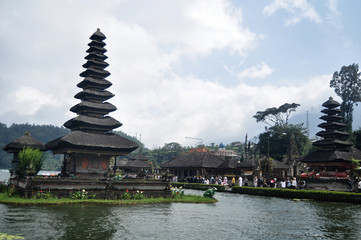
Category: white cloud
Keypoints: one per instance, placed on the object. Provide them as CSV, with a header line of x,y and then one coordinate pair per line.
x,y
259,71
296,9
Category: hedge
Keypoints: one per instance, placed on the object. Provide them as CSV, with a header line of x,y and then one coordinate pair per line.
x,y
198,186
331,196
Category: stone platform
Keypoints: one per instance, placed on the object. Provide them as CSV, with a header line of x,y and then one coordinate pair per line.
x,y
100,187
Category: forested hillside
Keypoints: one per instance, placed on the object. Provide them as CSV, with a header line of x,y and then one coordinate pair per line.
x,y
43,133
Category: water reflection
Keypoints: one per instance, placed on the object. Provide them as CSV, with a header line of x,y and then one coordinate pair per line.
x,y
339,221
233,217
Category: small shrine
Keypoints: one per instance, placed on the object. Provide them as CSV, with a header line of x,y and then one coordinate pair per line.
x,y
91,144
25,141
137,167
335,154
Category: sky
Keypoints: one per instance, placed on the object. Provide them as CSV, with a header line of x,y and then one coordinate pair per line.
x,y
185,71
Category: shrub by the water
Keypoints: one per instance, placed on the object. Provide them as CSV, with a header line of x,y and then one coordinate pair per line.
x,y
30,160
331,196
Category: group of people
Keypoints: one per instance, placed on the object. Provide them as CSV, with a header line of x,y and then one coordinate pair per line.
x,y
290,183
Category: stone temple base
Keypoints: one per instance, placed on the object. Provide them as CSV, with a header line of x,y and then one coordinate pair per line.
x,y
340,185
101,188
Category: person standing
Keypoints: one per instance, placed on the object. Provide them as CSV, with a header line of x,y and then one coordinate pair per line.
x,y
240,181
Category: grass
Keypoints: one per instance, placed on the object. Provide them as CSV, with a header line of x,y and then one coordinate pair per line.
x,y
16,200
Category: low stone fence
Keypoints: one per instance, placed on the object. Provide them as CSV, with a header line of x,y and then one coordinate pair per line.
x,y
101,188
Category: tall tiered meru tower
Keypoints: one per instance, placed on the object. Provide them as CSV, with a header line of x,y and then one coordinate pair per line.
x,y
89,146
335,153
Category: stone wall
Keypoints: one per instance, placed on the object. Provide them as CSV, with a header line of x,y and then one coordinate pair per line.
x,y
101,188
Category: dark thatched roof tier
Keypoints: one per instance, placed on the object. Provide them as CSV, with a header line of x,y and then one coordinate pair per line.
x,y
330,103
331,111
331,118
140,156
92,94
332,125
336,143
96,43
95,48
89,82
95,63
23,142
86,106
332,156
95,56
84,122
195,160
332,134
98,36
95,72
229,164
136,164
92,143
246,164
280,165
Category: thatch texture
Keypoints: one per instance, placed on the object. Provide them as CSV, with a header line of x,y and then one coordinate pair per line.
x,y
195,160
23,142
92,142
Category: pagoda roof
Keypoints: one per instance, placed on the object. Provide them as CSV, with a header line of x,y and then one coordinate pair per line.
x,y
332,156
96,43
106,123
334,142
332,125
195,160
95,48
330,103
95,72
332,111
95,143
332,118
94,55
23,142
98,36
95,63
89,82
334,133
93,94
93,107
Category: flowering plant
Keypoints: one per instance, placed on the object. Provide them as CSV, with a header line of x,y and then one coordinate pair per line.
x,y
80,195
42,195
126,195
177,192
12,190
138,195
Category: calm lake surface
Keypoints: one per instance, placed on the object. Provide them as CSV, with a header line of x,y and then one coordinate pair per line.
x,y
233,217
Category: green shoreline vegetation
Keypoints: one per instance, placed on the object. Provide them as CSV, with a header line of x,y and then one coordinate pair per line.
x,y
16,200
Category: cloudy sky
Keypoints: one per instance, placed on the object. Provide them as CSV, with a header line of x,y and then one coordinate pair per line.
x,y
179,69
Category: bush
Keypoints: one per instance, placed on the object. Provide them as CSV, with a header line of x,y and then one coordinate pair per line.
x,y
330,196
31,160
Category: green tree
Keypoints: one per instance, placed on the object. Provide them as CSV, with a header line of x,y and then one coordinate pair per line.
x,y
347,85
30,160
275,142
276,116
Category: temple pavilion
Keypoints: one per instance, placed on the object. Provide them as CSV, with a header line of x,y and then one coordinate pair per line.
x,y
25,141
91,143
335,153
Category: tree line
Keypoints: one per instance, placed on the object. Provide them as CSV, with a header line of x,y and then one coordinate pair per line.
x,y
44,133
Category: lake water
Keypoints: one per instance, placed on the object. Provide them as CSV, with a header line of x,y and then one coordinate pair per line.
x,y
234,216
